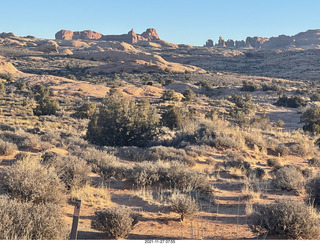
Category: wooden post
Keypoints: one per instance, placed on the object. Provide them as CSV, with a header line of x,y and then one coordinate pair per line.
x,y
76,216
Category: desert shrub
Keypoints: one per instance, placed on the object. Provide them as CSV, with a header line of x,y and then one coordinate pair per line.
x,y
169,95
282,150
116,170
273,162
21,138
315,97
234,156
302,148
243,102
292,102
40,92
5,127
7,148
86,111
307,173
21,86
170,175
72,171
133,153
311,120
26,221
210,161
172,118
183,205
257,173
270,87
249,86
205,84
2,88
241,165
28,180
21,156
313,190
287,219
288,178
123,122
189,95
115,222
314,162
46,106
170,154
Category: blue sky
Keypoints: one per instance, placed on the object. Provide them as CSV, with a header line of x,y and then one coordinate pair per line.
x,y
178,21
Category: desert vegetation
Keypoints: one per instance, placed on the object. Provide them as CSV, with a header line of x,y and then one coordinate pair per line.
x,y
155,152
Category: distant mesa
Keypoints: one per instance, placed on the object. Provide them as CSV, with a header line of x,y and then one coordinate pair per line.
x,y
306,40
132,37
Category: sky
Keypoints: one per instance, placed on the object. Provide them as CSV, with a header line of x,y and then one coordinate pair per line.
x,y
177,21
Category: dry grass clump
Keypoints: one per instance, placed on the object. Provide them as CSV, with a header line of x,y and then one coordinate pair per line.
x,y
287,219
183,205
288,178
7,148
26,221
28,180
115,222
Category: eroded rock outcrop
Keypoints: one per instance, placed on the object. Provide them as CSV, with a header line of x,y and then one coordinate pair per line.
x,y
209,43
84,35
131,37
221,42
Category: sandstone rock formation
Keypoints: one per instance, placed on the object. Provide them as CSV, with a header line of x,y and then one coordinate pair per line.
x,y
230,43
240,44
209,43
307,40
7,68
84,35
221,42
132,37
66,52
48,47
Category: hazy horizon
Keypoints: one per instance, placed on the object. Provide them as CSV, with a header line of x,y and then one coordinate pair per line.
x,y
189,22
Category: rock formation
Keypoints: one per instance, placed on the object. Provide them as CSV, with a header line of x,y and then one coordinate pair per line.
x,y
209,43
221,42
240,44
84,35
308,39
256,42
132,37
48,47
230,43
